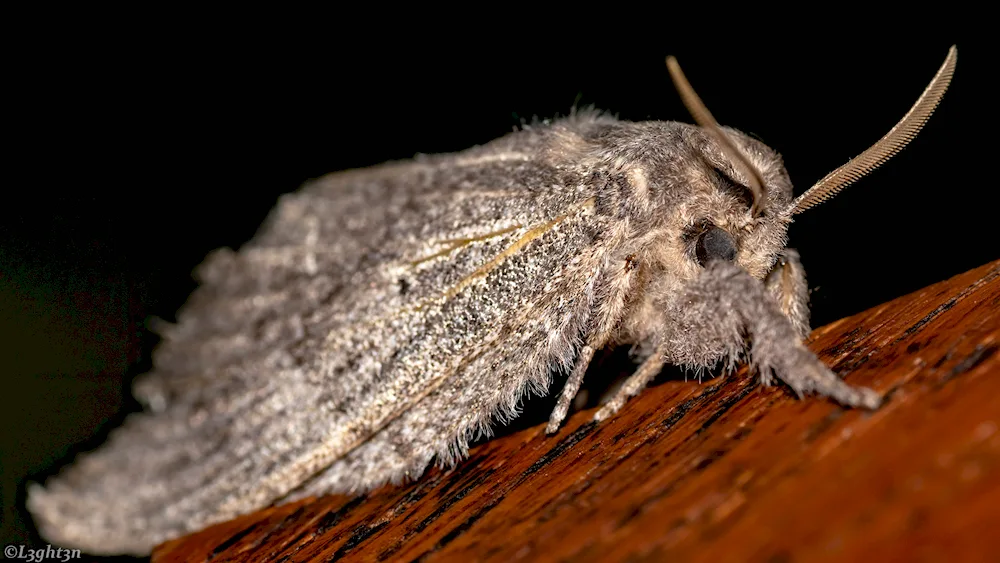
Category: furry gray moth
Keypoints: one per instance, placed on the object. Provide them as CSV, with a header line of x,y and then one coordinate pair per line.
x,y
382,318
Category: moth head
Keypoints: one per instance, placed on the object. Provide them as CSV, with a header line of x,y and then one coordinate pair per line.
x,y
753,169
725,218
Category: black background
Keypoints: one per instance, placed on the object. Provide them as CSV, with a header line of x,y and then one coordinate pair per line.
x,y
140,147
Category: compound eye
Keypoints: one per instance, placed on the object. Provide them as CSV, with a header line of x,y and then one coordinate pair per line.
x,y
715,244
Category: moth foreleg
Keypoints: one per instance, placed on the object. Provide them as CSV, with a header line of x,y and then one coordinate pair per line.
x,y
571,388
787,284
613,295
635,383
728,301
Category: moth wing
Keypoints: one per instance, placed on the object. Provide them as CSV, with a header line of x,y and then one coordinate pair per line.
x,y
379,318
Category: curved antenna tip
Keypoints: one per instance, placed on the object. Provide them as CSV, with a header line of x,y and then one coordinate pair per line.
x,y
891,143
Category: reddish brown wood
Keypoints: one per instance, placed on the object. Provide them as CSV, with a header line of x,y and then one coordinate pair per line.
x,y
719,471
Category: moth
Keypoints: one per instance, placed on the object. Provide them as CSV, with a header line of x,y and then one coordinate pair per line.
x,y
382,318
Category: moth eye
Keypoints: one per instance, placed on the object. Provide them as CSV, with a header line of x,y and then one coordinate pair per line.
x,y
715,243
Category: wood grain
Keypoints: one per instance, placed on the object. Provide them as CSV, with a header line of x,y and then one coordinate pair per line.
x,y
724,470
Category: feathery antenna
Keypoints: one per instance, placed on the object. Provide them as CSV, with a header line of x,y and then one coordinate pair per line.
x,y
886,147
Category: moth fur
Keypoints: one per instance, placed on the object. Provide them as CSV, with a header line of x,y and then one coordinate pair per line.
x,y
384,318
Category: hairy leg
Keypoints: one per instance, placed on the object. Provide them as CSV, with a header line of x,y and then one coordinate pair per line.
x,y
727,294
724,308
571,388
787,284
616,287
635,383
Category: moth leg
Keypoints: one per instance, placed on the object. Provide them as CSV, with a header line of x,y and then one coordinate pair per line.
x,y
727,306
618,282
633,385
571,388
787,284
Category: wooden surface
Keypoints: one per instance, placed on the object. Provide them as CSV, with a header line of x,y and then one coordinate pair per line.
x,y
723,470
